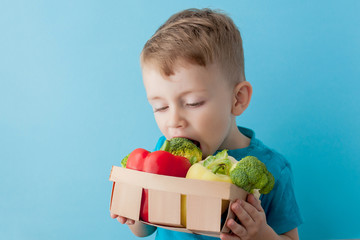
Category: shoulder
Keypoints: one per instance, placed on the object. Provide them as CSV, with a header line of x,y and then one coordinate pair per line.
x,y
275,162
280,205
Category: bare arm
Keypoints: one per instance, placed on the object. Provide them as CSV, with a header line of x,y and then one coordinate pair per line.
x,y
270,234
139,229
291,235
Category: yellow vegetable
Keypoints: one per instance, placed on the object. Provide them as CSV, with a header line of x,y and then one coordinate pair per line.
x,y
214,168
198,171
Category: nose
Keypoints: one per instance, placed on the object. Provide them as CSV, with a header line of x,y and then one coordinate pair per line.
x,y
176,119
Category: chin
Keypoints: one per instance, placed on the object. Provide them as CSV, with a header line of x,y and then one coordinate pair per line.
x,y
205,154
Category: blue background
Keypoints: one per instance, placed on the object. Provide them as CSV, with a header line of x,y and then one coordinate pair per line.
x,y
72,105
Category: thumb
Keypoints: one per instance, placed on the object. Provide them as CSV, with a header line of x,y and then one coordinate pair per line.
x,y
255,202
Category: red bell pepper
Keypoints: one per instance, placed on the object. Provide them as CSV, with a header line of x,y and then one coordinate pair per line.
x,y
158,162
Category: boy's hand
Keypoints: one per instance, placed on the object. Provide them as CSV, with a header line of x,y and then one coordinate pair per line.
x,y
252,220
122,220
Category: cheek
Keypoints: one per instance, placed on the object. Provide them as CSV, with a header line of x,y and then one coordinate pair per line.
x,y
213,121
215,124
218,113
160,121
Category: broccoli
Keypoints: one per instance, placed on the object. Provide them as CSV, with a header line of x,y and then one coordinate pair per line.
x,y
250,174
183,147
124,161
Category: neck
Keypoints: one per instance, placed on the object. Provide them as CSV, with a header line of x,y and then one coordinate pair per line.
x,y
235,139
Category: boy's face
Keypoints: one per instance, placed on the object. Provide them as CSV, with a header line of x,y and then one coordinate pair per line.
x,y
195,102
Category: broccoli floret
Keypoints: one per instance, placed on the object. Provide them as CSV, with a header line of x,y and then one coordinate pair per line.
x,y
250,173
124,161
183,147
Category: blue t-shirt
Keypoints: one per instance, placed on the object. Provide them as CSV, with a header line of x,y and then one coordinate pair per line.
x,y
280,206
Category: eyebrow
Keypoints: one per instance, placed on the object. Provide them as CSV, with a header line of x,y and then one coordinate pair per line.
x,y
182,94
153,98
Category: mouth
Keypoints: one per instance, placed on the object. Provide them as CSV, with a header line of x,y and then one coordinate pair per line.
x,y
197,143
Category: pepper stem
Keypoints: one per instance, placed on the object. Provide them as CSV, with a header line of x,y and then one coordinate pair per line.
x,y
217,168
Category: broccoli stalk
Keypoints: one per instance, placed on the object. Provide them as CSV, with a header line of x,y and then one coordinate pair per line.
x,y
250,173
183,147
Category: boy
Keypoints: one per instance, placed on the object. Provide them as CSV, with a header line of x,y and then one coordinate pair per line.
x,y
193,73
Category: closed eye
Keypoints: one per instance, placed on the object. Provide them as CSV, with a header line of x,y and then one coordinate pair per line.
x,y
161,109
195,104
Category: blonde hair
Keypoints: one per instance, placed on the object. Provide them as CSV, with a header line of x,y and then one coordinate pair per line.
x,y
198,36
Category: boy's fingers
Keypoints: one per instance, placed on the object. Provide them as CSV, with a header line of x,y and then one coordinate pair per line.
x,y
238,208
113,215
228,236
236,229
130,222
124,220
121,220
255,202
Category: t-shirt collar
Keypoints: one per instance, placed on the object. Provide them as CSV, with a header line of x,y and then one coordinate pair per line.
x,y
243,152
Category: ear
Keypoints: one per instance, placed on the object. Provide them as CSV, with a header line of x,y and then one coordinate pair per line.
x,y
241,97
